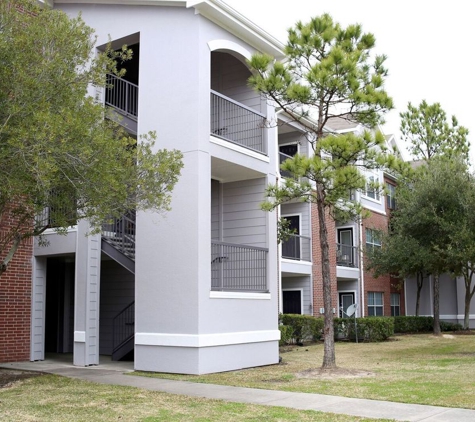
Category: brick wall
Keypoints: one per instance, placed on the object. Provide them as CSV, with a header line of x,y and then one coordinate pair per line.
x,y
15,301
317,267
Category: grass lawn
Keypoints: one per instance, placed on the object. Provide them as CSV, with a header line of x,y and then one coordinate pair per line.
x,y
53,398
412,369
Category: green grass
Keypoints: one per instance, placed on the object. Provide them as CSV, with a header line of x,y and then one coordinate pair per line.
x,y
419,369
53,398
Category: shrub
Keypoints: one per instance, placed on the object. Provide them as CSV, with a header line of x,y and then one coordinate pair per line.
x,y
303,327
413,324
421,324
286,334
371,329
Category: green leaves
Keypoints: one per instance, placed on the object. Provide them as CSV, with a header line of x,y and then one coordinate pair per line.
x,y
428,132
56,148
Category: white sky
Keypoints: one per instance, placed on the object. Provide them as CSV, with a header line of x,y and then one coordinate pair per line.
x,y
429,44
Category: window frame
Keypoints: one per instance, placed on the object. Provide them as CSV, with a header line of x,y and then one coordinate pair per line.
x,y
374,240
395,306
390,196
373,307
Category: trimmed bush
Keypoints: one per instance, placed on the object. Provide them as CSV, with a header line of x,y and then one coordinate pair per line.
x,y
421,324
286,334
303,327
413,324
370,329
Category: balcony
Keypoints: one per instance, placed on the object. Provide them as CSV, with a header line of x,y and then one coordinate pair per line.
x,y
282,158
237,123
238,268
122,97
297,247
346,255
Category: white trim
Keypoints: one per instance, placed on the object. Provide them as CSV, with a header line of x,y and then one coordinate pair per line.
x,y
79,336
237,148
294,261
294,289
205,340
215,45
239,295
71,229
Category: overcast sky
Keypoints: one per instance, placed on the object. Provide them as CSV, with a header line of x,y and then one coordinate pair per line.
x,y
429,44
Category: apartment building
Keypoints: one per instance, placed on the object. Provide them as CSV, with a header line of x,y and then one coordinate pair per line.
x,y
194,290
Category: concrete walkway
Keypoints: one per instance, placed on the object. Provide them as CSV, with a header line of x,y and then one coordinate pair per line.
x,y
113,373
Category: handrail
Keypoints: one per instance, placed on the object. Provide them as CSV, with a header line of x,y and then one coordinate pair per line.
x,y
123,326
230,100
238,267
297,247
120,233
122,96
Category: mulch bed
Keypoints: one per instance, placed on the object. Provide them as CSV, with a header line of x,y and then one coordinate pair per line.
x,y
8,377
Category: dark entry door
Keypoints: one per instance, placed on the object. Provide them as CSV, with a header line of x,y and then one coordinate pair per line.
x,y
346,300
292,301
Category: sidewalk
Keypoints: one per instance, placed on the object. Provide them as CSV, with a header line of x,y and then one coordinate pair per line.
x,y
114,373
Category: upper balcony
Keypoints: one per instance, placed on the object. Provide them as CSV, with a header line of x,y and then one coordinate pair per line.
x,y
237,123
347,261
122,97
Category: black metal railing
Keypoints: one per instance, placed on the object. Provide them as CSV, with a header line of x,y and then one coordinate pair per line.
x,y
238,267
122,95
297,247
346,255
237,123
120,233
61,210
123,326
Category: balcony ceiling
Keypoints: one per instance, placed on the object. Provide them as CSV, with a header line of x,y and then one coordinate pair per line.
x,y
226,171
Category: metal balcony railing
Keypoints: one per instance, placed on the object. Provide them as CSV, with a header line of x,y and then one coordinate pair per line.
x,y
297,247
237,123
238,268
120,233
61,210
346,255
122,95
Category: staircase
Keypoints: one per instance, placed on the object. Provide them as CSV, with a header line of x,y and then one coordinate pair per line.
x,y
123,333
118,242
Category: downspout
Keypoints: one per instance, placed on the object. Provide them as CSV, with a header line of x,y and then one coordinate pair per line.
x,y
361,268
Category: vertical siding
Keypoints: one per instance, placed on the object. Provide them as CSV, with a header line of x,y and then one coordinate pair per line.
x,y
229,77
303,283
215,214
38,309
243,220
117,291
92,331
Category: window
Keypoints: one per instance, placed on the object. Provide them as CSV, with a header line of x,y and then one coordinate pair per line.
x,y
372,240
395,304
286,152
371,190
390,196
375,304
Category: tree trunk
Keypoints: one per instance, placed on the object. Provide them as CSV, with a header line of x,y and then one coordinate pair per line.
x,y
328,331
420,282
436,306
466,316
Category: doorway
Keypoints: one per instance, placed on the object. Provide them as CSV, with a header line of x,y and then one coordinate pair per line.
x,y
345,299
292,301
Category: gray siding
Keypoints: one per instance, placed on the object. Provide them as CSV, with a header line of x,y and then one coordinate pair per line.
x,y
304,283
243,220
117,291
229,77
215,207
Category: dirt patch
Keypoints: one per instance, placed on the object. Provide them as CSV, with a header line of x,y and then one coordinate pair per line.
x,y
9,377
334,373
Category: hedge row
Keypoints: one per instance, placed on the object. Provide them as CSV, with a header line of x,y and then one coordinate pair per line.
x,y
421,324
295,329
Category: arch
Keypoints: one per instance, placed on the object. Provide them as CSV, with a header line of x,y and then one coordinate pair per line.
x,y
230,47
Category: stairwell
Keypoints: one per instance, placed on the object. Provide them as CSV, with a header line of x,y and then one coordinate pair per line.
x,y
118,242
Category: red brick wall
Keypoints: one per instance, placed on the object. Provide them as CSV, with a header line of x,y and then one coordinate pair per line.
x,y
317,260
15,301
